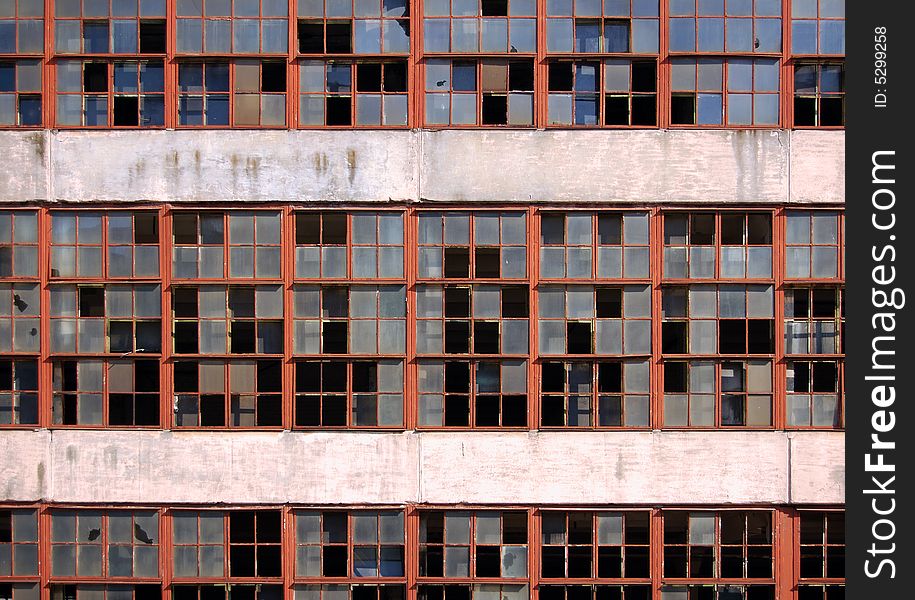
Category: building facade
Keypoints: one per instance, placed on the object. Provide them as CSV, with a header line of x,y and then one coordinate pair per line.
x,y
422,300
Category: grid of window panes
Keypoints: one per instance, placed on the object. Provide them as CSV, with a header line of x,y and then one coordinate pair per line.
x,y
480,63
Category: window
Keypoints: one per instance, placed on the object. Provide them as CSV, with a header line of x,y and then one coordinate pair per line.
x,y
110,94
90,27
814,321
232,26
249,240
22,27
479,319
257,99
726,319
376,27
612,92
97,319
743,251
569,243
363,94
741,398
19,546
714,547
349,394
254,397
739,92
469,26
621,26
18,392
603,545
111,544
228,545
813,245
598,394
216,319
726,26
337,319
115,393
818,27
19,317
20,92
359,245
81,241
344,591
498,249
354,545
595,319
819,94
815,394
466,545
18,244
822,555
106,592
494,396
487,92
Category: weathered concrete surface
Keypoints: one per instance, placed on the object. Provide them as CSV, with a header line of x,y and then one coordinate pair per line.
x,y
435,467
451,165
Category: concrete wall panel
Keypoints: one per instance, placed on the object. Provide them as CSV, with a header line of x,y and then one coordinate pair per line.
x,y
435,467
817,166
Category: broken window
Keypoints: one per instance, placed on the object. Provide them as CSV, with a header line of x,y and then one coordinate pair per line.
x,y
18,392
814,245
595,320
489,92
739,92
746,245
19,316
235,591
822,555
477,591
121,27
354,394
203,94
344,94
617,27
358,245
497,249
741,27
472,394
103,591
97,319
718,394
349,545
725,319
478,319
689,246
22,27
228,319
228,545
232,26
20,91
116,543
718,592
596,93
569,243
235,245
376,27
814,320
473,544
19,545
349,319
472,26
130,248
602,545
234,394
360,591
819,94
817,27
95,93
716,547
600,394
98,392
816,397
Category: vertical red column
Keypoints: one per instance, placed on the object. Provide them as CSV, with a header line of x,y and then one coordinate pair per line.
x,y
656,253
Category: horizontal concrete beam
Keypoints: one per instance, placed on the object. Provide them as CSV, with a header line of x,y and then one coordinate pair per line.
x,y
769,166
656,467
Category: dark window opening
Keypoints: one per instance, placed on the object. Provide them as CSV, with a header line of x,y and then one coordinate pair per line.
x,y
486,262
152,37
126,111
